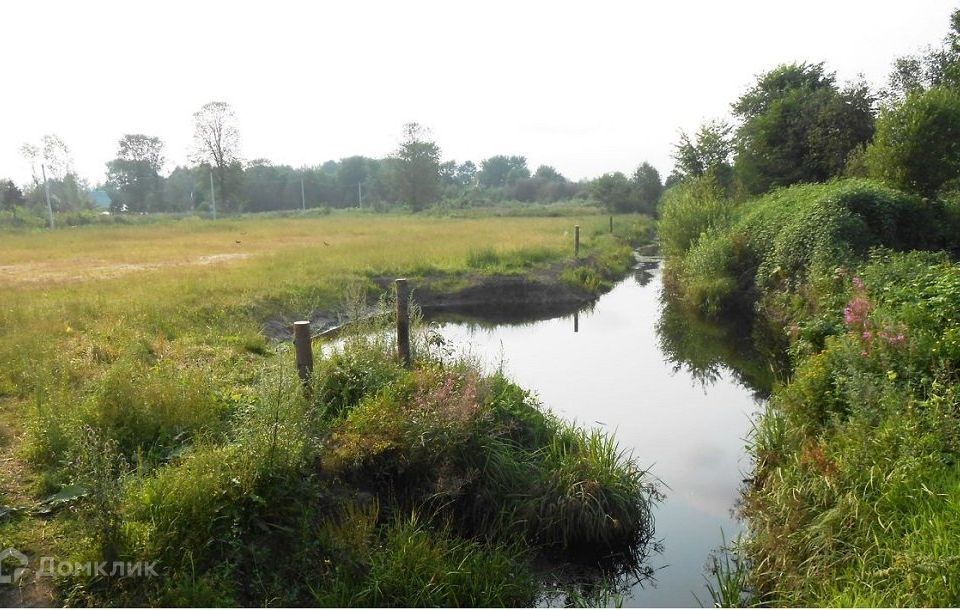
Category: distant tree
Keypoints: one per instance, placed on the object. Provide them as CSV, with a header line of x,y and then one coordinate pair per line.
x,y
216,141
466,175
448,173
616,193
10,196
939,66
267,186
133,177
708,152
52,153
351,172
185,189
497,171
417,169
646,181
798,126
916,144
547,172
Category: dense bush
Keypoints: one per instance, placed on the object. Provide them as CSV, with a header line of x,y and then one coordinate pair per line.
x,y
687,210
916,145
856,481
784,238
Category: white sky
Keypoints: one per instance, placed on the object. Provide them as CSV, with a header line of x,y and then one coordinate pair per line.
x,y
587,87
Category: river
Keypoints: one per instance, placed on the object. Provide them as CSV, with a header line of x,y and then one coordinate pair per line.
x,y
605,367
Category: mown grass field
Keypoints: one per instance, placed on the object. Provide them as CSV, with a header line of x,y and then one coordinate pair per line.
x,y
142,345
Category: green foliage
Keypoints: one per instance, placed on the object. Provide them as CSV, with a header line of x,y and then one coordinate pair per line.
x,y
915,146
689,209
783,238
858,453
705,154
408,564
615,192
797,126
416,172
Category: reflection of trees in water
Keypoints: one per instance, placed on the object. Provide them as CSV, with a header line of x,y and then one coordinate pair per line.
x,y
706,349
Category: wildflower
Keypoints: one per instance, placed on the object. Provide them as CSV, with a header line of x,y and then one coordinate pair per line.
x,y
856,311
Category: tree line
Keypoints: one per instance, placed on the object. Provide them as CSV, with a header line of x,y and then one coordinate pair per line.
x,y
797,124
414,176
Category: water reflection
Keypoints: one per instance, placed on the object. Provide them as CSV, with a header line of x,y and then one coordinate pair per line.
x,y
668,396
707,350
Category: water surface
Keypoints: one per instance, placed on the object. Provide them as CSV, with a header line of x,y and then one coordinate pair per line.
x,y
605,367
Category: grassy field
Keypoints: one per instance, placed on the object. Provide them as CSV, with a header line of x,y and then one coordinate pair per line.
x,y
136,383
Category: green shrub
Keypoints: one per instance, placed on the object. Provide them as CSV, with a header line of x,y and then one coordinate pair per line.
x,y
915,144
786,237
689,209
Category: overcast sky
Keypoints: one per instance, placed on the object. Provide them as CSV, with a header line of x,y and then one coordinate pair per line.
x,y
587,87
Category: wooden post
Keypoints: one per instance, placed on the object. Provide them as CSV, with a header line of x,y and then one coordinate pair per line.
x,y
576,241
576,321
611,224
303,343
403,322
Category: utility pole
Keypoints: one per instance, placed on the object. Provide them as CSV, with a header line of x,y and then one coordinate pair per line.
x,y
360,194
303,197
46,189
213,196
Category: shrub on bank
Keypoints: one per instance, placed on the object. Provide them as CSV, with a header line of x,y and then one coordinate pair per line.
x,y
783,239
856,486
437,485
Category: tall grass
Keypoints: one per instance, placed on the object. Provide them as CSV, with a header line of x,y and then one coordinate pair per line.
x,y
126,344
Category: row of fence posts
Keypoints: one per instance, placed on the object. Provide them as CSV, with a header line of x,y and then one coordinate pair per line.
x,y
303,337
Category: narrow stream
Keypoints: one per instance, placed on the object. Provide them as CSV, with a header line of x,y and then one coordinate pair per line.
x,y
605,367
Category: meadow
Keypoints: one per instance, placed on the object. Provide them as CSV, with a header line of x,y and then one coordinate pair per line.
x,y
144,414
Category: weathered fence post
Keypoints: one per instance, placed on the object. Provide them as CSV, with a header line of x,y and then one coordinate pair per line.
x,y
303,343
576,241
403,322
576,321
611,224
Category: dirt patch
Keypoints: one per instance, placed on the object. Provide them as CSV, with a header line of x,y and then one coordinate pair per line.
x,y
85,270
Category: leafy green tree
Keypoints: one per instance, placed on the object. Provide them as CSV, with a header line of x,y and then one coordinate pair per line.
x,y
10,196
417,167
498,170
185,189
646,181
708,152
547,172
917,144
797,126
216,140
265,186
936,67
616,193
133,177
351,172
466,174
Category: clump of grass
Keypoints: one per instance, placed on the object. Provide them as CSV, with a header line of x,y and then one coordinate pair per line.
x,y
728,584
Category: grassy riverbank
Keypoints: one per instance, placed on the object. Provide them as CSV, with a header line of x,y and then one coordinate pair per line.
x,y
138,388
855,497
